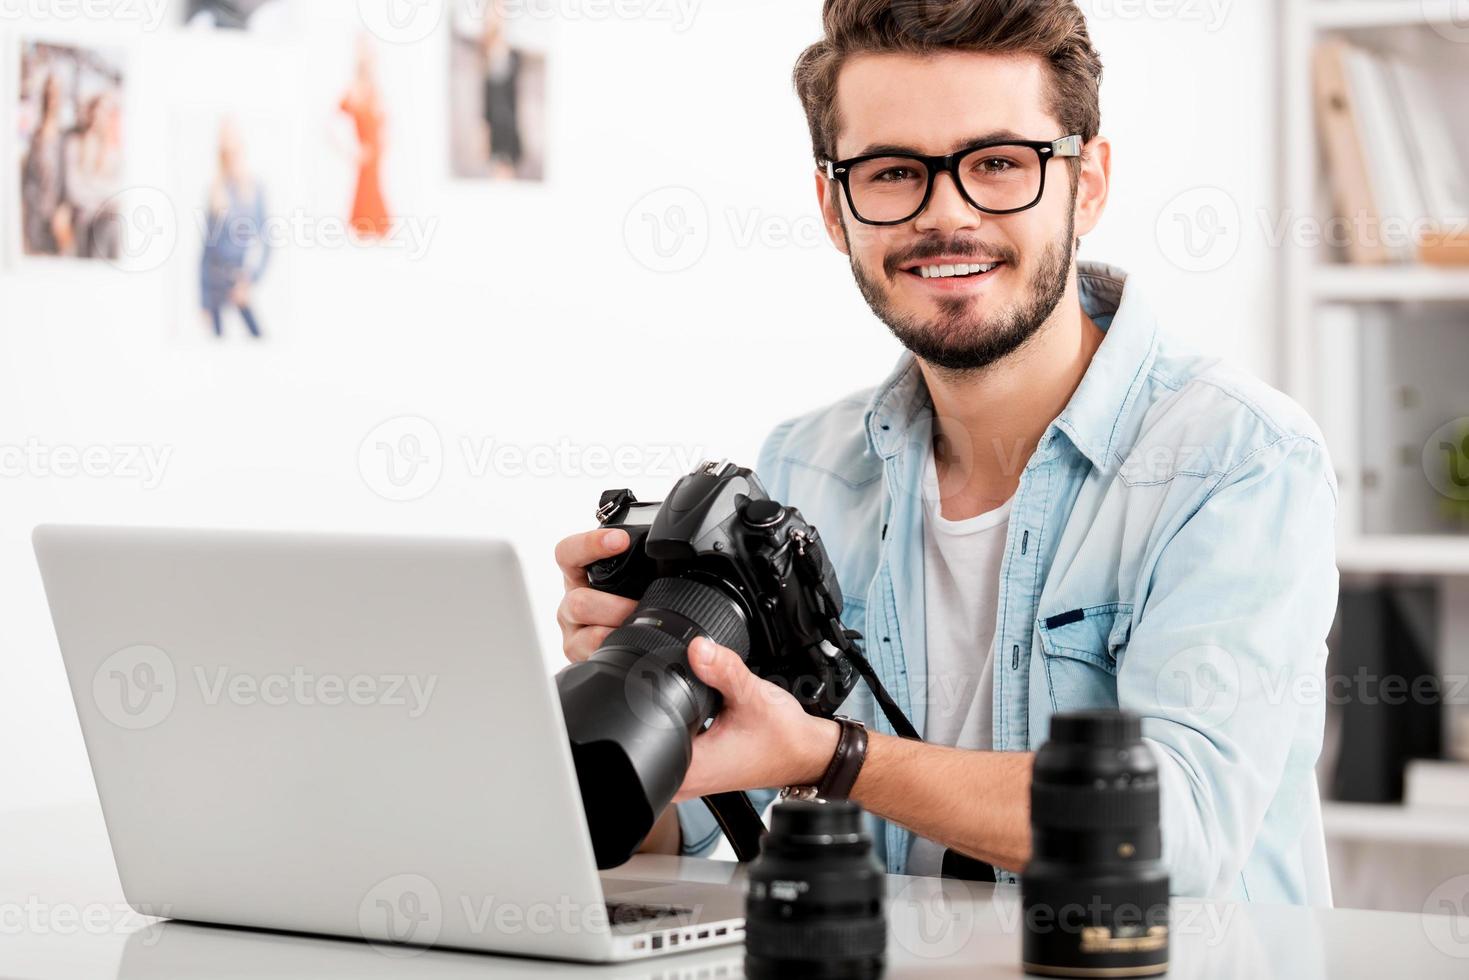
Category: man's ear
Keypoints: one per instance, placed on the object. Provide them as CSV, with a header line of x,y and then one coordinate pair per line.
x,y
1093,184
827,197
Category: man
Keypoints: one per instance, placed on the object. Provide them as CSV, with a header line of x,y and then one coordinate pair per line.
x,y
1045,507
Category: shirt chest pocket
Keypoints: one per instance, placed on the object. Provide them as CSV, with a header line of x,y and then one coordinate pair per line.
x,y
1080,649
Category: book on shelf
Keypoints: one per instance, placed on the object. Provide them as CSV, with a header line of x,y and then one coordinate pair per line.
x,y
1396,178
1430,782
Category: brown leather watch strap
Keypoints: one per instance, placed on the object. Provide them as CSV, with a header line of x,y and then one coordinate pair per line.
x,y
846,762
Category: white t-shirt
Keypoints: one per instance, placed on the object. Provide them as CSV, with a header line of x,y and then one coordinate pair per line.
x,y
961,577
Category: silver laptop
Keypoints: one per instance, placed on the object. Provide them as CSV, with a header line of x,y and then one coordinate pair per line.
x,y
353,736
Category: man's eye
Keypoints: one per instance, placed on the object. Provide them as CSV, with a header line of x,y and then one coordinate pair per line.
x,y
994,165
894,175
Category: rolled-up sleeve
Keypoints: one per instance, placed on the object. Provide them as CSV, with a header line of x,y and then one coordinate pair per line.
x,y
1231,632
699,831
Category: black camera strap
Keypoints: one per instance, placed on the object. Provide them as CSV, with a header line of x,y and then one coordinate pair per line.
x,y
901,725
734,812
846,640
741,824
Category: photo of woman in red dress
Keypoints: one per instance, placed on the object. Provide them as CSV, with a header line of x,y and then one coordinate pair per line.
x,y
363,103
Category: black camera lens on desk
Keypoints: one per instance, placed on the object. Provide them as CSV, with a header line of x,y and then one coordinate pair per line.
x,y
1095,894
815,902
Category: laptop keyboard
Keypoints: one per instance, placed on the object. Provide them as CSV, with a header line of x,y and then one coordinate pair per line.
x,y
627,913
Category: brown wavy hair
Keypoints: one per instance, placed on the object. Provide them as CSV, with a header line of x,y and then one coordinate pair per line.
x,y
1055,30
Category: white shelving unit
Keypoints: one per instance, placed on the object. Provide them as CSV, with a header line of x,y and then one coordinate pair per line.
x,y
1358,338
1349,284
1404,554
1392,824
1362,14
1323,354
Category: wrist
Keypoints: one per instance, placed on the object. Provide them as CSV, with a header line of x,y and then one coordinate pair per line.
x,y
817,745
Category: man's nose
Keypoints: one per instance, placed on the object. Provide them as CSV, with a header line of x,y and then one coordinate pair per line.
x,y
947,209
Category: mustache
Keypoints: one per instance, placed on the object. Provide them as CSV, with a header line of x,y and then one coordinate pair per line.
x,y
932,248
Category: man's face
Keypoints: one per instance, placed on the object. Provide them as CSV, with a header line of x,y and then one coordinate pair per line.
x,y
935,105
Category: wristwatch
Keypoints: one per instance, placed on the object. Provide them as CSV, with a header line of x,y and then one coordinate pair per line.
x,y
841,775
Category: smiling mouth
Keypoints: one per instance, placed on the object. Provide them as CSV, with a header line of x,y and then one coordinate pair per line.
x,y
955,272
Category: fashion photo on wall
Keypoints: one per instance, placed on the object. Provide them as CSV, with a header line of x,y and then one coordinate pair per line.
x,y
362,106
232,174
497,97
69,138
265,16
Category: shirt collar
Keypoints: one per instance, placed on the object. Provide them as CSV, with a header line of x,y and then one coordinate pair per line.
x,y
1092,418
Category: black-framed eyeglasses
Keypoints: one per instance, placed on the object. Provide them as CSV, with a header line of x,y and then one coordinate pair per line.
x,y
997,177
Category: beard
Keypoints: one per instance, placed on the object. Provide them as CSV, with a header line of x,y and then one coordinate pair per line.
x,y
958,340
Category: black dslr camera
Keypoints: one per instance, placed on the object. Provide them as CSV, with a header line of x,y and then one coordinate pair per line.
x,y
718,558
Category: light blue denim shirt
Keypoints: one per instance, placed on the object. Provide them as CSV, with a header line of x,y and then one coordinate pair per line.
x,y
1171,550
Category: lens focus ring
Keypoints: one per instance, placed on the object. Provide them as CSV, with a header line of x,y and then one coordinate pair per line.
x,y
815,939
711,609
1086,807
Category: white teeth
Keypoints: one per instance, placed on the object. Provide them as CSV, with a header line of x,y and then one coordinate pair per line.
x,y
949,271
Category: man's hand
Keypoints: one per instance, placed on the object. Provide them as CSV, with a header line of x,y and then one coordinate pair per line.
x,y
975,802
761,738
585,615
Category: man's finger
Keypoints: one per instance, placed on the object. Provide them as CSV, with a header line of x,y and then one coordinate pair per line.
x,y
722,669
589,607
587,641
576,552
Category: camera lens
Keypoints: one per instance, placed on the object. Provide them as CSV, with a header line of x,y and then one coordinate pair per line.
x,y
1095,894
633,708
814,907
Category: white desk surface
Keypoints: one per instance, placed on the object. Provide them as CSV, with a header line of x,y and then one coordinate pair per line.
x,y
62,917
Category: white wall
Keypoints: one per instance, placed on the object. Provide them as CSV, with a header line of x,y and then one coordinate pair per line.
x,y
532,319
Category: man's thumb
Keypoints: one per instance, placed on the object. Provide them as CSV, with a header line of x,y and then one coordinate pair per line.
x,y
712,664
